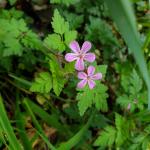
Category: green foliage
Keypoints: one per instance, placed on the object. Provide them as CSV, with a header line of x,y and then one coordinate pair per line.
x,y
53,41
34,39
57,75
61,29
12,2
114,135
134,95
7,129
66,2
100,31
37,126
107,137
59,25
127,26
70,36
11,31
14,36
74,20
42,84
97,96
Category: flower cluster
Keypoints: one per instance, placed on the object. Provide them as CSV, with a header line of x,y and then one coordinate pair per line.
x,y
80,55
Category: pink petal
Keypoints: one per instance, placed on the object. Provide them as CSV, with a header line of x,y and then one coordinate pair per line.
x,y
86,46
79,64
70,57
82,83
90,57
82,75
90,70
97,76
91,84
74,46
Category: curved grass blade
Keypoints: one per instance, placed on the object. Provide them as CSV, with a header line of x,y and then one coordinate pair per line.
x,y
77,137
37,125
21,126
123,15
49,119
7,128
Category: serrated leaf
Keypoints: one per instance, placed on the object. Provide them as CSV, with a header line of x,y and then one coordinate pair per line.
x,y
107,137
14,34
136,82
31,40
53,41
42,84
122,129
102,69
59,25
75,20
57,75
96,96
85,101
70,36
69,68
13,47
100,97
99,30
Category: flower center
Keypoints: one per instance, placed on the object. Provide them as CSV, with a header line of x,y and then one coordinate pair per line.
x,y
88,78
81,55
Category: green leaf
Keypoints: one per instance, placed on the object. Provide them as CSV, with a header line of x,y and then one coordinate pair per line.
x,y
70,36
85,101
66,2
75,20
37,125
124,17
102,69
57,75
42,84
77,137
54,42
124,101
21,123
69,68
136,83
7,128
13,47
12,2
100,97
107,137
59,25
14,34
99,30
31,40
96,96
50,119
122,129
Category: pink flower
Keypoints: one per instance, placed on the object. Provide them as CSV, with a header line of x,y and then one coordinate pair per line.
x,y
88,78
80,54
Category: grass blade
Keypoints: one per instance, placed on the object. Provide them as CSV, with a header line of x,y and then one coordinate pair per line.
x,y
77,137
37,125
7,128
123,15
49,119
21,126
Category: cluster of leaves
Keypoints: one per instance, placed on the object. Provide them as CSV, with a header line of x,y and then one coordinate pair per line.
x,y
98,96
43,104
134,96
